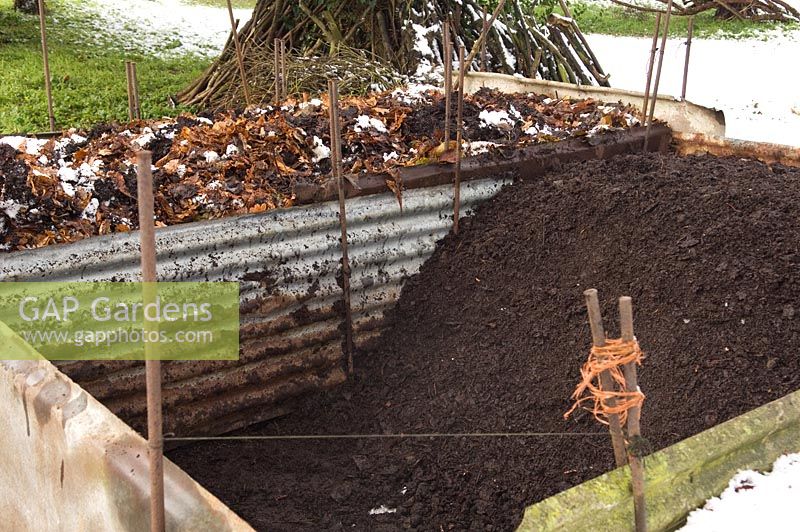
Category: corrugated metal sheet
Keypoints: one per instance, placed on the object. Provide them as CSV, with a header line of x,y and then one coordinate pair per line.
x,y
286,262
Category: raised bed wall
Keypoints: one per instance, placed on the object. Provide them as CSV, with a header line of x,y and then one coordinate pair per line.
x,y
70,464
680,478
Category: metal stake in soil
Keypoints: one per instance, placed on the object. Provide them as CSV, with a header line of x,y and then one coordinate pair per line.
x,y
459,138
239,55
607,383
658,74
155,441
46,60
686,61
634,430
336,160
650,68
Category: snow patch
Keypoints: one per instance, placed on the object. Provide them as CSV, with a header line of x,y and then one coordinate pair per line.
x,y
10,207
164,28
91,209
497,119
366,122
314,102
382,509
754,501
414,92
24,144
320,150
480,146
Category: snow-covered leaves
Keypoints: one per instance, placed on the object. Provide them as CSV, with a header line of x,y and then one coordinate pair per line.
x,y
65,189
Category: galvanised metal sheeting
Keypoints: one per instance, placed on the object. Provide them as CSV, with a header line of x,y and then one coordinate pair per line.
x,y
286,262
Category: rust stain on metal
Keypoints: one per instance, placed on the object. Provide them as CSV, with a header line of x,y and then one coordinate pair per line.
x,y
692,144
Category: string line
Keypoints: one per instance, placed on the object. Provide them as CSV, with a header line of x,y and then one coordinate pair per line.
x,y
389,436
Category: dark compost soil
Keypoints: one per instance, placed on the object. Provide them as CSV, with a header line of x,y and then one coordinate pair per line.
x,y
489,337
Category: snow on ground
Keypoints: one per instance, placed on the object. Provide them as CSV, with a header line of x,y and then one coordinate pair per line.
x,y
754,501
165,28
660,4
753,81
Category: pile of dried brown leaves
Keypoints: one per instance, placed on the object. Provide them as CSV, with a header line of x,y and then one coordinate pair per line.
x,y
84,183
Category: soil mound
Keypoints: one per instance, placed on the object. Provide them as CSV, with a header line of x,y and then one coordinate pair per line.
x,y
489,337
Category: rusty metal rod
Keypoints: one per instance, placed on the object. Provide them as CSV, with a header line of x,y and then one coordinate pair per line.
x,y
447,55
239,54
650,62
634,414
459,138
155,440
46,60
336,159
606,381
686,61
654,97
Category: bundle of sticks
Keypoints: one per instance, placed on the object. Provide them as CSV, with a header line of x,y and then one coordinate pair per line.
x,y
757,10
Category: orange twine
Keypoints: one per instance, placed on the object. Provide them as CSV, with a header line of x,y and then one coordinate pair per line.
x,y
611,358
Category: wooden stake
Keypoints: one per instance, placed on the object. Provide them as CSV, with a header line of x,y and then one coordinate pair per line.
x,y
459,138
537,60
483,44
634,414
448,84
284,77
650,68
277,69
46,60
686,61
239,55
336,160
477,45
129,80
654,96
155,441
137,108
606,382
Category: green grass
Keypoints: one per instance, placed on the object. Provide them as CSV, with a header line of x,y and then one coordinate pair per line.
x,y
618,20
88,80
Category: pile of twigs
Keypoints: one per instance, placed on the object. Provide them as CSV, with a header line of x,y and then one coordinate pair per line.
x,y
756,10
357,72
405,34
